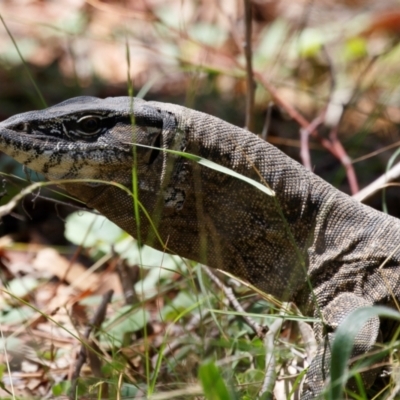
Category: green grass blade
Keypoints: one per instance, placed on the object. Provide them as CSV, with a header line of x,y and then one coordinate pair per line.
x,y
212,165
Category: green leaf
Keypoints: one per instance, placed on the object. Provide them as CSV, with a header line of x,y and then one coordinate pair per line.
x,y
213,384
61,388
344,340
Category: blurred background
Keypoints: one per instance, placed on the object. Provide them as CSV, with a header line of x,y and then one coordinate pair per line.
x,y
326,75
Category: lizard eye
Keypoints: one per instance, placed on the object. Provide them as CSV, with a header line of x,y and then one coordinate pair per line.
x,y
22,127
89,125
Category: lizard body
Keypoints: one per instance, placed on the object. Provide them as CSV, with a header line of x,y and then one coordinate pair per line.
x,y
309,230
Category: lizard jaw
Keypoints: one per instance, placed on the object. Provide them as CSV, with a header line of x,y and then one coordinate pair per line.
x,y
57,159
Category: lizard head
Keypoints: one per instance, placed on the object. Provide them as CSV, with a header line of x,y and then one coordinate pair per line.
x,y
82,138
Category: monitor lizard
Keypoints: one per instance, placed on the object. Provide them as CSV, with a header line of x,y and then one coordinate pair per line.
x,y
305,241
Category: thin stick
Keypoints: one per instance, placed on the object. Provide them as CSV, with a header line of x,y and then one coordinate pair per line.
x,y
304,135
345,160
376,152
249,67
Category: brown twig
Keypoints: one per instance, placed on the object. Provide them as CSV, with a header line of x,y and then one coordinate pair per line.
x,y
376,152
304,143
249,67
94,324
345,160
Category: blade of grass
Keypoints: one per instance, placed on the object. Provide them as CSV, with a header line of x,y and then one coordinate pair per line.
x,y
212,165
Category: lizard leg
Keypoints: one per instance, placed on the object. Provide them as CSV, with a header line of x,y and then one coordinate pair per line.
x,y
333,315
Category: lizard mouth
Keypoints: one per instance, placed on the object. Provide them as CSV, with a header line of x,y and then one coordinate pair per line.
x,y
57,158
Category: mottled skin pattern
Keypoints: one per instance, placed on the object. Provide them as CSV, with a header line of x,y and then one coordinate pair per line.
x,y
348,251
